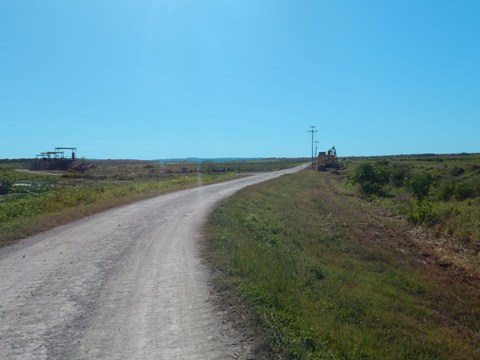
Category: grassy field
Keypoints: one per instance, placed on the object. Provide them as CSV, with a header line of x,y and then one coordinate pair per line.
x,y
329,272
32,202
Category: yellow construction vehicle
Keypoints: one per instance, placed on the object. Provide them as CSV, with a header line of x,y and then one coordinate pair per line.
x,y
327,160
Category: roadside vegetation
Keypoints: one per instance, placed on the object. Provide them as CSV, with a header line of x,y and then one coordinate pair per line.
x,y
31,202
440,192
338,265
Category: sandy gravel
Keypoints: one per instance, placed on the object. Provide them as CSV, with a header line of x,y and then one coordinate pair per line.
x,y
124,284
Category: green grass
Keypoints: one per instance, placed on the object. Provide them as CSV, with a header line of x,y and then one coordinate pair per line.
x,y
307,258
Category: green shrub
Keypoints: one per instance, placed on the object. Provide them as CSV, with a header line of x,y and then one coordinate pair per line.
x,y
456,171
464,191
372,179
419,185
399,174
446,190
419,212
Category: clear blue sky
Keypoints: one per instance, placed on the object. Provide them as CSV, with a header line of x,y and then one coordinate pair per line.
x,y
243,78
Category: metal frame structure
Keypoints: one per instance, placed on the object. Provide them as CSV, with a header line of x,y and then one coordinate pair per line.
x,y
54,160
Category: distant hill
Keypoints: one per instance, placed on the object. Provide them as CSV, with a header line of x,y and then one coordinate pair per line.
x,y
201,160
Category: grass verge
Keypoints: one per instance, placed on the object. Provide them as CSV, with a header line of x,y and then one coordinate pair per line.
x,y
327,275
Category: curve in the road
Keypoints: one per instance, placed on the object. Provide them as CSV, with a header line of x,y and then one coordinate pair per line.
x,y
124,284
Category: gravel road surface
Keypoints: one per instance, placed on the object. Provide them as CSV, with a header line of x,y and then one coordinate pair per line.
x,y
127,283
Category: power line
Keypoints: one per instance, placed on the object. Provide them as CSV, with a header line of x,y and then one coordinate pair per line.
x,y
313,131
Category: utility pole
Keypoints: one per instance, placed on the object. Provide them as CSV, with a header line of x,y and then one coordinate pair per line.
x,y
313,131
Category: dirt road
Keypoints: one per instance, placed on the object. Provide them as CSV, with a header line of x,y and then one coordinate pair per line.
x,y
124,284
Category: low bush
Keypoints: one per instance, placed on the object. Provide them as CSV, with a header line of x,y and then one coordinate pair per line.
x,y
419,211
419,185
464,191
457,171
399,174
372,178
446,190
